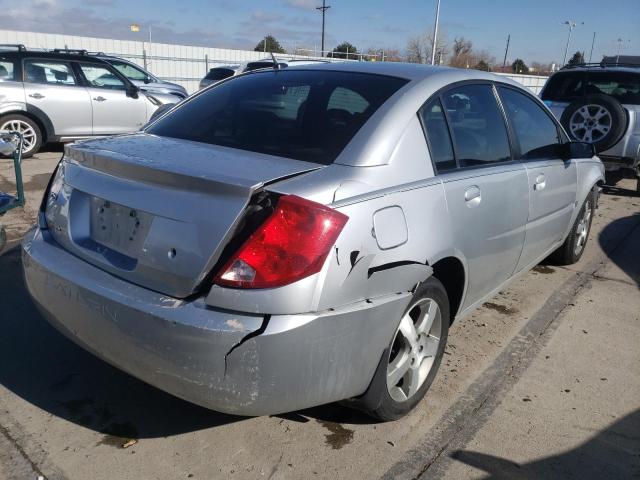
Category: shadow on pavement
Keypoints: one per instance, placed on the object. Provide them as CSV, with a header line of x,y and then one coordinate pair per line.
x,y
627,255
43,367
612,453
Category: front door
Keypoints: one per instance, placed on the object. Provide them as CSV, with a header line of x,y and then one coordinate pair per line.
x,y
114,110
52,88
552,182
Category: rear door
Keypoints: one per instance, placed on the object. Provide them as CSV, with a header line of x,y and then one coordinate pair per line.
x,y
552,182
486,191
114,111
52,87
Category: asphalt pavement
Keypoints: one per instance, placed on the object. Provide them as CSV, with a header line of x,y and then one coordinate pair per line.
x,y
543,381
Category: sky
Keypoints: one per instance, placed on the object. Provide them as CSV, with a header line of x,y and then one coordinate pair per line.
x,y
535,25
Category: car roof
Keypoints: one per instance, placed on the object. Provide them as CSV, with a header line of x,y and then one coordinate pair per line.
x,y
600,68
409,71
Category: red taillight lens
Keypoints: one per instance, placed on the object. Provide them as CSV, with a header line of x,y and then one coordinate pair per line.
x,y
291,244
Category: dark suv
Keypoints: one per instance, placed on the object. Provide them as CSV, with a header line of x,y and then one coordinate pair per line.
x,y
600,104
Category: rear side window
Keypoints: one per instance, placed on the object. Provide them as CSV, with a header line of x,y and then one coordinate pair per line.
x,y
7,70
50,72
286,113
623,86
219,74
434,124
477,125
564,87
536,132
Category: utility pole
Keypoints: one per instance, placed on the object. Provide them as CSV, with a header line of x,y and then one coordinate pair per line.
x,y
506,50
571,25
323,9
435,35
593,41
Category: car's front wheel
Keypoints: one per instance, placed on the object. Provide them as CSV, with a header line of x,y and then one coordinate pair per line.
x,y
410,363
30,131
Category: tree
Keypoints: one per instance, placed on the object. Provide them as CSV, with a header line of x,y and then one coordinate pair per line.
x,y
345,50
272,45
577,58
419,48
482,65
461,52
518,66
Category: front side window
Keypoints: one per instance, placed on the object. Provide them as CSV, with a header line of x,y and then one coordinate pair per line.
x,y
477,125
536,132
438,138
101,77
48,72
131,72
7,70
289,113
623,86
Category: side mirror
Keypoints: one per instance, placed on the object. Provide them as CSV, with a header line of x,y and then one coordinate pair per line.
x,y
147,80
572,150
132,91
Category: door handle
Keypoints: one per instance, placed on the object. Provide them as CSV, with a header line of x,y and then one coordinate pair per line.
x,y
99,99
472,196
540,183
36,95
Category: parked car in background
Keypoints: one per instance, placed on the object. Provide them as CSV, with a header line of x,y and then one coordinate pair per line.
x,y
145,79
217,74
64,96
600,103
330,223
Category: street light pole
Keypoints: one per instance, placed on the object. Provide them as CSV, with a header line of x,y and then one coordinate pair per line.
x,y
593,41
572,25
435,34
323,9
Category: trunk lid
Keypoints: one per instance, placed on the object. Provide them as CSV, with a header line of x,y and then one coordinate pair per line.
x,y
156,211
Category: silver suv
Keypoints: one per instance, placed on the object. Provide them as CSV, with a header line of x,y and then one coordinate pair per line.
x,y
63,96
600,103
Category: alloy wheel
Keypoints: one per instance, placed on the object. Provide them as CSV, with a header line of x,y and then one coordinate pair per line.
x,y
27,132
582,229
414,349
590,123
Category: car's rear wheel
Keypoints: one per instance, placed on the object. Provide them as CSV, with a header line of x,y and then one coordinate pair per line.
x,y
29,129
410,363
597,119
573,247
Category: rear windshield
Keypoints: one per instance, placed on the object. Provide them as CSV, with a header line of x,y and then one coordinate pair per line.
x,y
251,66
623,86
219,73
299,114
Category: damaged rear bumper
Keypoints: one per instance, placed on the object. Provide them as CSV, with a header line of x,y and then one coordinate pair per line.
x,y
237,363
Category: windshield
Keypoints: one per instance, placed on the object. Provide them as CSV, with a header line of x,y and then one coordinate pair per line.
x,y
300,114
131,72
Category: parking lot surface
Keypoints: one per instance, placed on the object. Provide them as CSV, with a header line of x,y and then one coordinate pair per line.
x,y
542,382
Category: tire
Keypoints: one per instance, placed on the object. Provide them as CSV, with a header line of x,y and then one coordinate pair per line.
x,y
573,247
598,119
30,130
386,400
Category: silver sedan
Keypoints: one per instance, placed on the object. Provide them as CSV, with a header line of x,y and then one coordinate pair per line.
x,y
290,238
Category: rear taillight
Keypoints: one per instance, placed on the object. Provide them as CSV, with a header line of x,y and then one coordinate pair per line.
x,y
291,244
